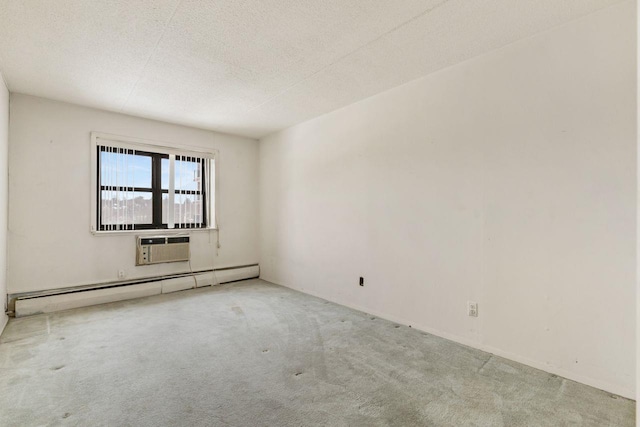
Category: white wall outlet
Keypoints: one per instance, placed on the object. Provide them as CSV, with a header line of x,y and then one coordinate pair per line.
x,y
472,308
121,274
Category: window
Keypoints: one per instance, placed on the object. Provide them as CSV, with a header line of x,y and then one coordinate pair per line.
x,y
146,187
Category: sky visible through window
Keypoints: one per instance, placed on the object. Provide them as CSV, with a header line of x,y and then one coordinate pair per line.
x,y
126,170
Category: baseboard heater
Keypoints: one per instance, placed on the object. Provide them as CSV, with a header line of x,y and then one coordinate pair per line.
x,y
64,299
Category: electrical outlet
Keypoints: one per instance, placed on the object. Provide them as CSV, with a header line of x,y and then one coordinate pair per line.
x,y
362,281
472,308
121,274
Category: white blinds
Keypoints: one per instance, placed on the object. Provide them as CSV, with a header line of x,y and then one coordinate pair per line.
x,y
189,185
140,189
116,195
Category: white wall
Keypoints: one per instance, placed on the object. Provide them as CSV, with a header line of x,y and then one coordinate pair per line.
x,y
638,223
509,180
4,195
50,245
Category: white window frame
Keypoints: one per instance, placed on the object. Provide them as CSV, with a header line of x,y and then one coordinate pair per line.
x,y
101,138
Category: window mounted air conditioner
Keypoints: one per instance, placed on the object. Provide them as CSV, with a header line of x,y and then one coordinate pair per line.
x,y
159,249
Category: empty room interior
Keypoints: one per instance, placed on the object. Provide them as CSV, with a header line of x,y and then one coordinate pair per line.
x,y
318,213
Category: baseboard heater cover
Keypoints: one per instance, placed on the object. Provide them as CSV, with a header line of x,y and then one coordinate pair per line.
x,y
65,301
48,304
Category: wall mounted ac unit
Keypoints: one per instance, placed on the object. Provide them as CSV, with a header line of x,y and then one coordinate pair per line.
x,y
159,249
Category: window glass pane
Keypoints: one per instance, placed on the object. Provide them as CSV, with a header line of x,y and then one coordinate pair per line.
x,y
126,207
188,175
187,209
119,169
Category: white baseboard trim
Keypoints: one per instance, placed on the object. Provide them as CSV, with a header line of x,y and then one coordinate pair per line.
x,y
48,304
83,298
592,382
234,274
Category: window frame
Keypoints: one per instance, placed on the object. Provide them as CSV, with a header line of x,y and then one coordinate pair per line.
x,y
157,151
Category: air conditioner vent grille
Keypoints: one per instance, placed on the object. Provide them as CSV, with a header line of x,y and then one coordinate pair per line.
x,y
156,250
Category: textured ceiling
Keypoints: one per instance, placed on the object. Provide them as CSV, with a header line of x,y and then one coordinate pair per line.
x,y
250,67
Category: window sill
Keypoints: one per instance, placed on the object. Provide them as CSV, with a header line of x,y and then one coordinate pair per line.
x,y
160,231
